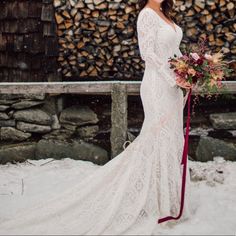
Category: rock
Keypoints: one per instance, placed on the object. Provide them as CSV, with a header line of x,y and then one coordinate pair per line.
x,y
55,122
223,120
209,147
10,133
34,115
69,127
3,107
88,131
77,149
17,152
6,123
220,133
4,116
61,134
7,102
40,96
50,105
78,115
199,131
233,132
26,104
34,128
10,113
20,96
10,96
130,136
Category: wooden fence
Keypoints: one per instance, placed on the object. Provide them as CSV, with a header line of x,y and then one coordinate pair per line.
x,y
119,90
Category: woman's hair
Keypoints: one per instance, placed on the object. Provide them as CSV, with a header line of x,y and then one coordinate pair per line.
x,y
166,5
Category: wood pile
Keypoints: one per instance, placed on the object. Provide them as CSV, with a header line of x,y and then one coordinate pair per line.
x,y
215,19
99,39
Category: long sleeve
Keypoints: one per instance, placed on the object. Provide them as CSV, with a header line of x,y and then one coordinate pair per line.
x,y
147,29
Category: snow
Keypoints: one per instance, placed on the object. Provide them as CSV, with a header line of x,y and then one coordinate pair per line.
x,y
23,185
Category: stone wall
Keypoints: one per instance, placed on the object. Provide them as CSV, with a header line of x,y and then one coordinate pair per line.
x,y
40,126
78,126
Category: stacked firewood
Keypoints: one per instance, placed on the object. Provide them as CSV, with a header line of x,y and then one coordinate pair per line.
x,y
98,38
214,18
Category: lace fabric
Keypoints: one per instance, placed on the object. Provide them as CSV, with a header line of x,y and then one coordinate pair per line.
x,y
148,30
131,192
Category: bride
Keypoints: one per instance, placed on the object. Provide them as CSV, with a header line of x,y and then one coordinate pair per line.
x,y
143,183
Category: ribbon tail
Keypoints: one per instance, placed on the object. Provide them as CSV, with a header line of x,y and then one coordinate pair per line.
x,y
184,163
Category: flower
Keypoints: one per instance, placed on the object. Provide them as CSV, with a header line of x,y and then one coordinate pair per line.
x,y
191,71
217,57
194,56
200,61
219,83
213,82
200,67
181,66
217,75
208,57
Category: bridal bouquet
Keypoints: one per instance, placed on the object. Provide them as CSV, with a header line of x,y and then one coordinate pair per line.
x,y
204,70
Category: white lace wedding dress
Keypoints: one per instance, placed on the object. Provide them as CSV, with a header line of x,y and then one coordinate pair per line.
x,y
143,183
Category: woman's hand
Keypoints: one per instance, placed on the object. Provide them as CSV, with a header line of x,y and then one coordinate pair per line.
x,y
183,84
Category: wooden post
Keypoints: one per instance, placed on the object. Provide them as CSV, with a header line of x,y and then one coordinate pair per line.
x,y
118,118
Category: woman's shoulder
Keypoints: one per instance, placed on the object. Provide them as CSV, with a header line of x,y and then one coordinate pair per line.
x,y
146,11
147,15
149,9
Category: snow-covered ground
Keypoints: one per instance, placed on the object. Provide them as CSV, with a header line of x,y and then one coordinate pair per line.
x,y
214,191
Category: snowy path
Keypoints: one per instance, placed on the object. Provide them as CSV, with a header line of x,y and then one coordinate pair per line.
x,y
25,184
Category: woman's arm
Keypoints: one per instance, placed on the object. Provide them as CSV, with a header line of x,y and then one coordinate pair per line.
x,y
147,29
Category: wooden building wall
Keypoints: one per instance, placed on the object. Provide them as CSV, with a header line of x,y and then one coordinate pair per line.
x,y
28,43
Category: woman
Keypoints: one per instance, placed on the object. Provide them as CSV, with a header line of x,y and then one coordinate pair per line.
x,y
143,183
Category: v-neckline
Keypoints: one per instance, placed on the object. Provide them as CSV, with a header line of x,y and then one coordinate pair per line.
x,y
174,28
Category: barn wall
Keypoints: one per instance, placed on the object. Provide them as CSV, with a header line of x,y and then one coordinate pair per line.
x,y
28,43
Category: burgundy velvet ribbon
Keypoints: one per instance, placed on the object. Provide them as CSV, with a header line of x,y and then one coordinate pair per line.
x,y
184,163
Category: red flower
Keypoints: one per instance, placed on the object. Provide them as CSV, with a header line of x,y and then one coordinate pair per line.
x,y
194,79
200,61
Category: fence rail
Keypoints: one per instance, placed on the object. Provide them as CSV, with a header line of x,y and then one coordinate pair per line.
x,y
119,90
83,87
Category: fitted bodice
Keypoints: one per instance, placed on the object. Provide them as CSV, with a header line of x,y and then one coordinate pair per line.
x,y
167,39
158,41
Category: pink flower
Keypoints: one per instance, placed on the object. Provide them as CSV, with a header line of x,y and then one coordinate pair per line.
x,y
194,56
208,57
219,83
191,71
